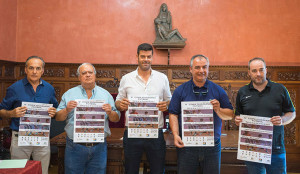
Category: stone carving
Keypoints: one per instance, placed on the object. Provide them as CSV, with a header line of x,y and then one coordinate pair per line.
x,y
9,71
166,37
289,76
290,133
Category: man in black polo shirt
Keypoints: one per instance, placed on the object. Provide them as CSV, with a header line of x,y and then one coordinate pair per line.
x,y
262,97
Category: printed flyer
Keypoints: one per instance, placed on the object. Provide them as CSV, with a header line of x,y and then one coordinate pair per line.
x,y
197,123
89,120
255,139
143,117
34,127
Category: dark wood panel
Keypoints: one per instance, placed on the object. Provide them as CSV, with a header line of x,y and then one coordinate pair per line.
x,y
231,78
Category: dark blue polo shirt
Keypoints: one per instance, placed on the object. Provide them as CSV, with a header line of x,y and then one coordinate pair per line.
x,y
209,91
274,100
21,91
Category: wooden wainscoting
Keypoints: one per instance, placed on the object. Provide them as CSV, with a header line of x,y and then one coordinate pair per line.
x,y
231,78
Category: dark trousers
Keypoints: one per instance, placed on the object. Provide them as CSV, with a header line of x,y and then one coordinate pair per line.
x,y
134,148
208,158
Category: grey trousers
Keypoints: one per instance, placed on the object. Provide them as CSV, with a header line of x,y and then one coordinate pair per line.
x,y
39,153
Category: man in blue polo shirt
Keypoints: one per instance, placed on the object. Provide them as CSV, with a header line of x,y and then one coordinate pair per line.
x,y
88,158
262,97
30,89
199,89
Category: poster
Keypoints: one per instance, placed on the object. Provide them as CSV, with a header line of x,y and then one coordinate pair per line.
x,y
197,123
34,127
143,117
89,121
255,139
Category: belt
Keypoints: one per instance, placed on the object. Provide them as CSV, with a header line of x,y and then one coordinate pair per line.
x,y
88,144
15,134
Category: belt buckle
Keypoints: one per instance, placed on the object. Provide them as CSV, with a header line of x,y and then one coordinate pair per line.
x,y
91,144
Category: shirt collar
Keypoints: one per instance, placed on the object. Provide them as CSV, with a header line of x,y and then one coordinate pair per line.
x,y
26,82
205,86
84,92
268,85
137,72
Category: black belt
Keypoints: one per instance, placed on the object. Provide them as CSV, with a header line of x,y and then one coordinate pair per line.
x,y
88,144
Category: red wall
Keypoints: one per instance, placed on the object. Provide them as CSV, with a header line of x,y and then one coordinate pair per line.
x,y
109,31
8,27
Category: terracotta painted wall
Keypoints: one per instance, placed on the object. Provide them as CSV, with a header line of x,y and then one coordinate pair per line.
x,y
108,31
8,27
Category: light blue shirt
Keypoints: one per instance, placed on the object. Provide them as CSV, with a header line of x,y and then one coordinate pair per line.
x,y
79,92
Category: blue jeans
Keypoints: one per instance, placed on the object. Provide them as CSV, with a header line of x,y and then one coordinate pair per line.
x,y
278,165
134,148
209,159
81,159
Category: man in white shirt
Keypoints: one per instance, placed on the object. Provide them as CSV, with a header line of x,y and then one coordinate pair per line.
x,y
144,81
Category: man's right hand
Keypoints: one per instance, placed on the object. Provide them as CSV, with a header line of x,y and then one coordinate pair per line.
x,y
238,120
178,142
71,105
124,103
18,112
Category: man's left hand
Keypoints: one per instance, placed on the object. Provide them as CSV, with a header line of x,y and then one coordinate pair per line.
x,y
106,108
162,106
52,112
216,105
276,120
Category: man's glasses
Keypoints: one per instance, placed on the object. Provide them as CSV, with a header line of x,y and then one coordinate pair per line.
x,y
203,93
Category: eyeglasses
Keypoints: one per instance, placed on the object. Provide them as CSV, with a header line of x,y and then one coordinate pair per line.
x,y
203,93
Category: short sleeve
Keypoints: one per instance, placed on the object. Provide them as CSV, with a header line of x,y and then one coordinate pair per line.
x,y
287,105
175,104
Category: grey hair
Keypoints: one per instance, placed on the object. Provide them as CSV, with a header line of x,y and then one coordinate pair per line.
x,y
198,56
78,72
256,58
35,57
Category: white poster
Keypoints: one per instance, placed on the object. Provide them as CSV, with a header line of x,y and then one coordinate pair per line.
x,y
255,139
143,117
34,127
89,120
197,122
